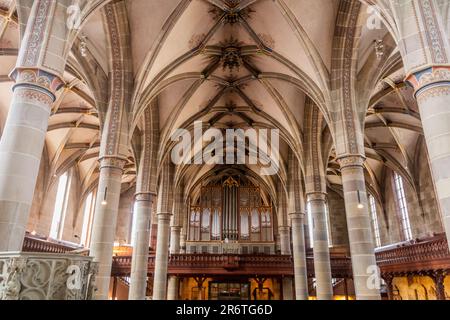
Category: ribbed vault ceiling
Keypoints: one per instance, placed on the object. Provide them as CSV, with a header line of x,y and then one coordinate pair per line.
x,y
230,64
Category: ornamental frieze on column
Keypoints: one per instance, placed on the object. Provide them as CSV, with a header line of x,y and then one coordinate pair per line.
x,y
38,80
431,82
351,161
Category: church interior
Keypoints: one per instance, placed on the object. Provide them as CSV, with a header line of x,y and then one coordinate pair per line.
x,y
94,207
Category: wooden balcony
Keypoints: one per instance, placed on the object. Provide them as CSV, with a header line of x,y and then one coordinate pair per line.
x,y
422,255
418,256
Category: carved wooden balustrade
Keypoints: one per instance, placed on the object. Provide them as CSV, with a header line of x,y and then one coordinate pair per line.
x,y
418,256
211,264
421,255
35,244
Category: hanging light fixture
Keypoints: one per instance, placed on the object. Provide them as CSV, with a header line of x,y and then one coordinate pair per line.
x,y
104,202
360,205
83,46
379,48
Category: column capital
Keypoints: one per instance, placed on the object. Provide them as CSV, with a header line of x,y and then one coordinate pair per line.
x,y
164,215
316,196
114,162
144,196
350,161
297,215
284,228
176,228
437,77
37,79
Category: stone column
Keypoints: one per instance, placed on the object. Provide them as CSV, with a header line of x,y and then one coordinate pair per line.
x,y
175,237
285,240
21,148
299,255
288,294
173,288
183,241
432,91
322,264
105,220
162,257
359,229
139,262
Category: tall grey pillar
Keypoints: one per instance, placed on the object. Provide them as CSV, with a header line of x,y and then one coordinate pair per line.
x,y
162,256
359,228
322,264
299,255
139,262
105,221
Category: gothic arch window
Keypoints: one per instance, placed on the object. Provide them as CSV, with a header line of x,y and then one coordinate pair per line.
x,y
61,204
88,216
403,207
375,224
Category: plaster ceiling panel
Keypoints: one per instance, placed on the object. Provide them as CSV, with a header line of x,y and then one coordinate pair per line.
x,y
408,140
403,119
7,65
375,165
147,19
368,36
96,39
5,101
379,135
268,64
83,136
10,37
263,100
333,179
54,139
197,102
189,31
196,64
269,23
317,18
85,166
294,98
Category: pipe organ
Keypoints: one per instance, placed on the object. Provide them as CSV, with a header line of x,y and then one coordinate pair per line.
x,y
231,212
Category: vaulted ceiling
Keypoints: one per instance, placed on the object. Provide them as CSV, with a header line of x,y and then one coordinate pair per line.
x,y
230,64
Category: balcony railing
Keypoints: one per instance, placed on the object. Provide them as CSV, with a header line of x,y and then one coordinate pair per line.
x,y
42,245
420,255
